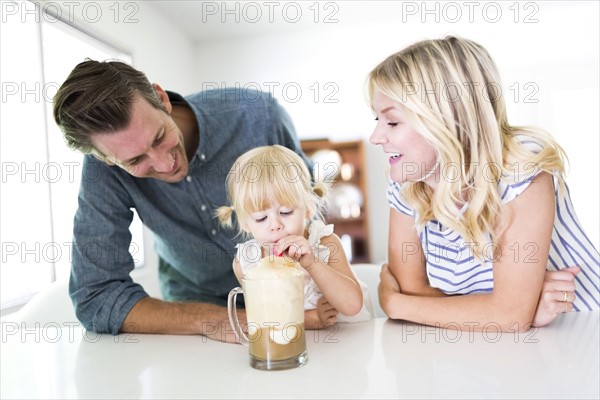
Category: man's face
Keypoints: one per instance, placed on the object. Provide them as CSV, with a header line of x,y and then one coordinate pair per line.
x,y
150,147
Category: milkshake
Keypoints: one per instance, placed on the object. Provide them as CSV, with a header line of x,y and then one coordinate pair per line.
x,y
274,297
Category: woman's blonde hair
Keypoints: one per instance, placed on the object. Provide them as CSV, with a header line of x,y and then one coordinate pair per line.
x,y
451,94
267,175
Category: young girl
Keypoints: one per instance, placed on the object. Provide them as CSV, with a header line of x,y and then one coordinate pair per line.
x,y
275,204
479,207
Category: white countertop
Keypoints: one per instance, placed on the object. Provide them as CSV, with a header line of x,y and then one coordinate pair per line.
x,y
376,359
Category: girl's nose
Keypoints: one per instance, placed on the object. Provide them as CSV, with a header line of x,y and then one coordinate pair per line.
x,y
276,225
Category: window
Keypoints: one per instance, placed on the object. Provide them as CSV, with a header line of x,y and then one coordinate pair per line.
x,y
40,174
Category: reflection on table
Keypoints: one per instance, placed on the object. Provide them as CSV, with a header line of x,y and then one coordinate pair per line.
x,y
380,358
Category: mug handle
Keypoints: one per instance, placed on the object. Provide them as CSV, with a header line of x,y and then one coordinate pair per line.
x,y
233,317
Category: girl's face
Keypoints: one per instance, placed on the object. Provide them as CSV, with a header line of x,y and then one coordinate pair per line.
x,y
277,222
412,158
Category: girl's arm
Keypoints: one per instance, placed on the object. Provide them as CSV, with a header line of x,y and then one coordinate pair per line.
x,y
335,279
518,272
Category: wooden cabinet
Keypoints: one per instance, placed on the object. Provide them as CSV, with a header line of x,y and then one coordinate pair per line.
x,y
342,166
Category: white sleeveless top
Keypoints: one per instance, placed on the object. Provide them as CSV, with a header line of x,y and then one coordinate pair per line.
x,y
249,254
452,268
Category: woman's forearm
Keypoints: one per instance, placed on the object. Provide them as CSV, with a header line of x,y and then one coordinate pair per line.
x,y
496,310
474,312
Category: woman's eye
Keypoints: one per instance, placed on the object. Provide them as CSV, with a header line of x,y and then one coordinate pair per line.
x,y
260,219
389,123
286,212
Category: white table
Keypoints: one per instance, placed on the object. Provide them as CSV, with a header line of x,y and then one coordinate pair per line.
x,y
376,359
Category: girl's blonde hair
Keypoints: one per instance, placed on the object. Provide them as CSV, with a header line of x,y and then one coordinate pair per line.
x,y
451,94
267,175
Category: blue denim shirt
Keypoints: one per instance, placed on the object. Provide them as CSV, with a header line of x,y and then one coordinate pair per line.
x,y
195,253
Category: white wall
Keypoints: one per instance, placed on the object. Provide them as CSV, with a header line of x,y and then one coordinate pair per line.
x,y
158,48
157,45
557,56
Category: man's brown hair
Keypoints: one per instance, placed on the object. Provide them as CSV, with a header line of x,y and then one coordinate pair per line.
x,y
96,98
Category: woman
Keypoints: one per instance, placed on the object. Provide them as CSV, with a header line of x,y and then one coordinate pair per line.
x,y
480,209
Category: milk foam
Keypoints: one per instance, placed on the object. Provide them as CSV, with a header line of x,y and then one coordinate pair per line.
x,y
274,295
272,267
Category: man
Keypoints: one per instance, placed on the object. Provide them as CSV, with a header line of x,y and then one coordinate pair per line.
x,y
167,157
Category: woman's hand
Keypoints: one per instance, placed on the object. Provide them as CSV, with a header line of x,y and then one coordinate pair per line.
x,y
558,295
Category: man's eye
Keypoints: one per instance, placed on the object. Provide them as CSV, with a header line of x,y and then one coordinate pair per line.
x,y
159,140
133,163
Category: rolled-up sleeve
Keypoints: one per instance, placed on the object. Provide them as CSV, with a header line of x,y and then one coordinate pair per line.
x,y
101,287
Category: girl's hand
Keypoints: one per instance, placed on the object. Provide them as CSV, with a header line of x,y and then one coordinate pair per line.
x,y
558,295
297,248
327,313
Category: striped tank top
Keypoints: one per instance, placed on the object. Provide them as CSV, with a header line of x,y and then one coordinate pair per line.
x,y
452,268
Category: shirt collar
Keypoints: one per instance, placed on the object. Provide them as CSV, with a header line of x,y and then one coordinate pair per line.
x,y
177,99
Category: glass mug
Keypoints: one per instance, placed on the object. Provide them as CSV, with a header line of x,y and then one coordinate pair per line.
x,y
274,296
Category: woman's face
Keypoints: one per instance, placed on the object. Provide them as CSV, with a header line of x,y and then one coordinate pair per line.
x,y
412,158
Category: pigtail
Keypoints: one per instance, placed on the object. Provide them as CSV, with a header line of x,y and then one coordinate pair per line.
x,y
225,216
321,189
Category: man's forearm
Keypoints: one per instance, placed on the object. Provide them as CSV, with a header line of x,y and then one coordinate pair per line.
x,y
151,315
